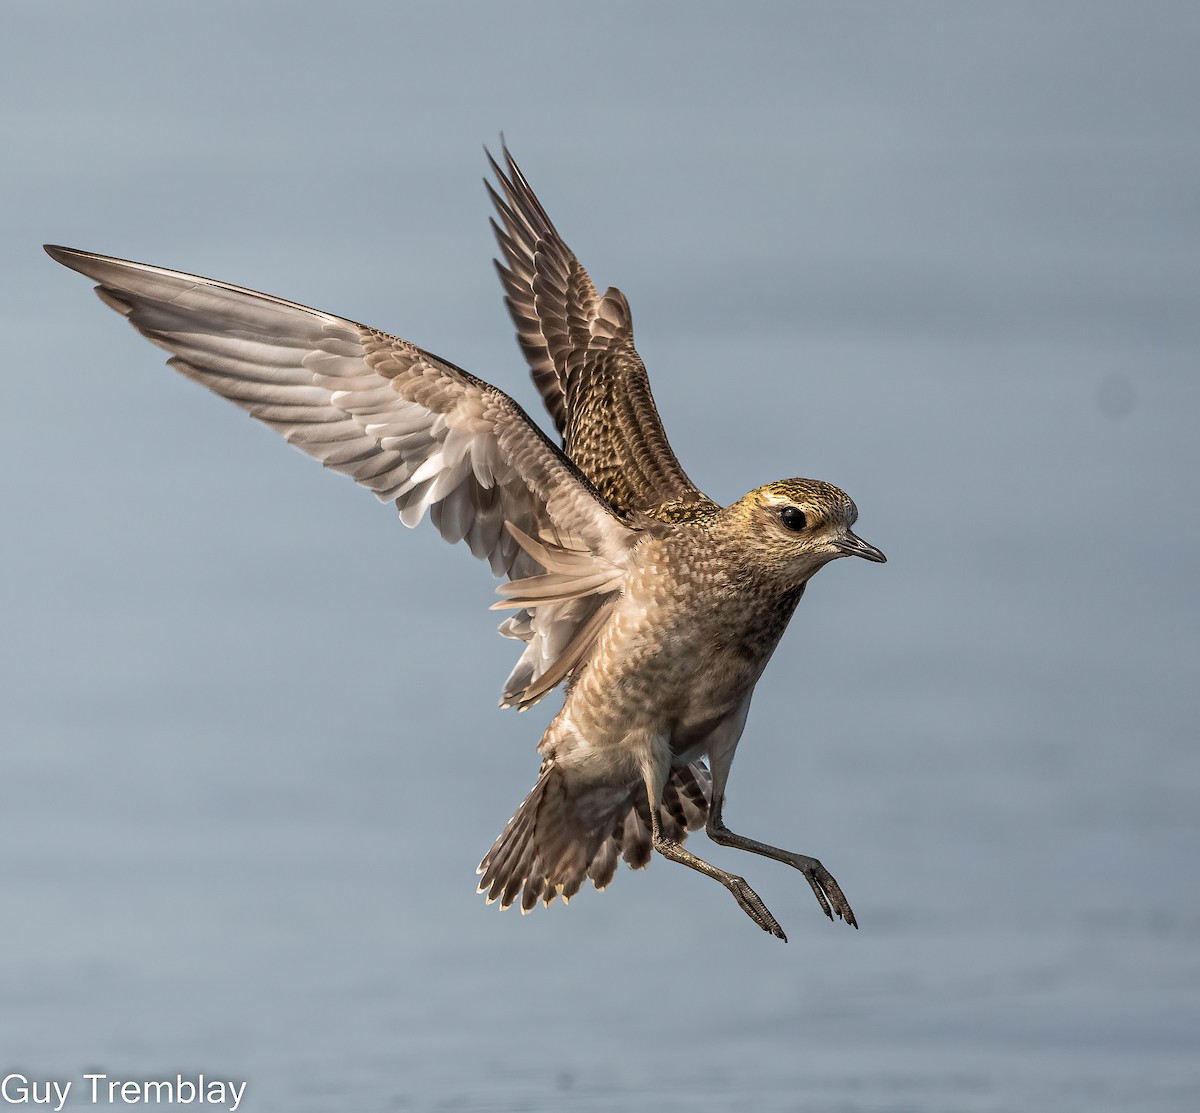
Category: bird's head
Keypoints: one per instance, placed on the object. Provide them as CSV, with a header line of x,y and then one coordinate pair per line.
x,y
794,527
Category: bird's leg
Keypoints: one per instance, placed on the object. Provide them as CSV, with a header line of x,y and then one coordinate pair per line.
x,y
828,892
750,902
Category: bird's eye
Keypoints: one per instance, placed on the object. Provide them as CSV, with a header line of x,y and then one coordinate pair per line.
x,y
793,519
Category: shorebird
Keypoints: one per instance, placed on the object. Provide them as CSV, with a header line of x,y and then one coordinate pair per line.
x,y
654,606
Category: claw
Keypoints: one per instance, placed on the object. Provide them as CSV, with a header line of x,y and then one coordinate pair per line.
x,y
751,903
822,900
828,892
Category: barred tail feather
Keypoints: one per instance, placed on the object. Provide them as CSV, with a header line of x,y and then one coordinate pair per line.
x,y
560,838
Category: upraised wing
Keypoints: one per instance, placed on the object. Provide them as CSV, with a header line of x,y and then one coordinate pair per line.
x,y
579,345
413,428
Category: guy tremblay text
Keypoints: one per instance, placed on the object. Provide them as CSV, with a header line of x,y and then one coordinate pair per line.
x,y
100,1089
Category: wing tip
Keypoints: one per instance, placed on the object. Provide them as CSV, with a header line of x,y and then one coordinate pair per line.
x,y
67,256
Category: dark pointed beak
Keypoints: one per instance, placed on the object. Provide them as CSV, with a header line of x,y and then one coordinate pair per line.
x,y
853,545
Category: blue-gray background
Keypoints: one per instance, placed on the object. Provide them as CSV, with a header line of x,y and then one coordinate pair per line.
x,y
945,256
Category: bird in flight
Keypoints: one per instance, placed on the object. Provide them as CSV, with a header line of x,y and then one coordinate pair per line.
x,y
656,608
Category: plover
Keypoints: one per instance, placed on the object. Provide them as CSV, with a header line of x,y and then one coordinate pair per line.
x,y
656,608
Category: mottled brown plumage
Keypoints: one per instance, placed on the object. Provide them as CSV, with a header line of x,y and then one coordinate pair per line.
x,y
657,607
579,345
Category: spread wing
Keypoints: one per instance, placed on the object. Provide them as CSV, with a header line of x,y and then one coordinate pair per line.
x,y
579,345
414,429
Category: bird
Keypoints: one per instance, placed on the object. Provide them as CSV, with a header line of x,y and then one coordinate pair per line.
x,y
652,606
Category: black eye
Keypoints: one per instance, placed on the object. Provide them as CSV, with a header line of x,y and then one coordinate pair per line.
x,y
792,518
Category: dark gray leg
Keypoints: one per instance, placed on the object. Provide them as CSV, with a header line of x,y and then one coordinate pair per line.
x,y
655,771
827,891
750,902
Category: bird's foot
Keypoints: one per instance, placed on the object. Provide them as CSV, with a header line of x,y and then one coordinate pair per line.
x,y
751,903
827,891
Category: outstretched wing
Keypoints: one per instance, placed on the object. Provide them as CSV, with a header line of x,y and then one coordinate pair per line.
x,y
579,345
413,428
